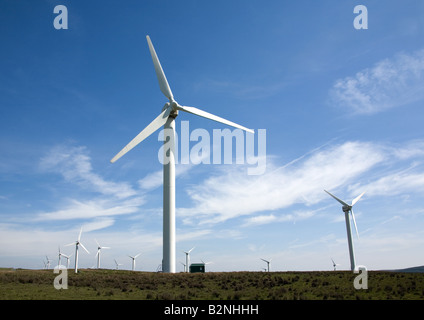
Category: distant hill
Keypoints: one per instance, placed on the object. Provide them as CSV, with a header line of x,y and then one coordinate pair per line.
x,y
412,269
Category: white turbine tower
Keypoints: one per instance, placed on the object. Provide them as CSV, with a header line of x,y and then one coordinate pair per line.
x,y
133,261
187,253
99,248
77,244
166,119
268,262
346,209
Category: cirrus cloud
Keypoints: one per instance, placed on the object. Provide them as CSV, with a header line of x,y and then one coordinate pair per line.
x,y
390,83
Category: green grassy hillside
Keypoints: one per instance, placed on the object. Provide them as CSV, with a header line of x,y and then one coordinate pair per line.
x,y
117,284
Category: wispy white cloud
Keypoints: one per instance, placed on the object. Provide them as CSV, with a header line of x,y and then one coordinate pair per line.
x,y
394,184
390,83
155,179
107,198
76,209
234,194
297,215
74,164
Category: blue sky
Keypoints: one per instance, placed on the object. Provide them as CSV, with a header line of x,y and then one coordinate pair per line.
x,y
342,109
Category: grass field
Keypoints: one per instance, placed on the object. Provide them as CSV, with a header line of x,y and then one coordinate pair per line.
x,y
103,284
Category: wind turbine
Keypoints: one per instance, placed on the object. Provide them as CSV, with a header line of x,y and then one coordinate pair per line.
x,y
77,244
206,263
187,253
60,255
99,248
48,262
346,209
133,261
268,262
334,264
185,270
167,119
67,259
117,264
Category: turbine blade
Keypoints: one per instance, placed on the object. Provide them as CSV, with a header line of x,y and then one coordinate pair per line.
x,y
354,222
163,83
79,236
191,249
341,201
151,128
84,248
210,116
97,243
137,255
69,244
357,198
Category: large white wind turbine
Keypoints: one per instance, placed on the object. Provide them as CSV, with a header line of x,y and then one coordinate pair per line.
x,y
133,261
268,262
99,248
346,209
77,244
166,119
187,253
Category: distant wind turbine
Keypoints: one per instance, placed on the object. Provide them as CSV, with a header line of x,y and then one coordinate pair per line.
x,y
60,256
334,264
346,209
268,262
48,262
67,259
117,264
183,265
99,248
133,261
77,244
187,253
206,263
166,119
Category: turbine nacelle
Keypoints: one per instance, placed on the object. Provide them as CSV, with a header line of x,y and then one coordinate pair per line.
x,y
346,208
173,105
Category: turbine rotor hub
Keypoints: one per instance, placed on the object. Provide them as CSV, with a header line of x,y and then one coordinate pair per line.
x,y
346,208
174,112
